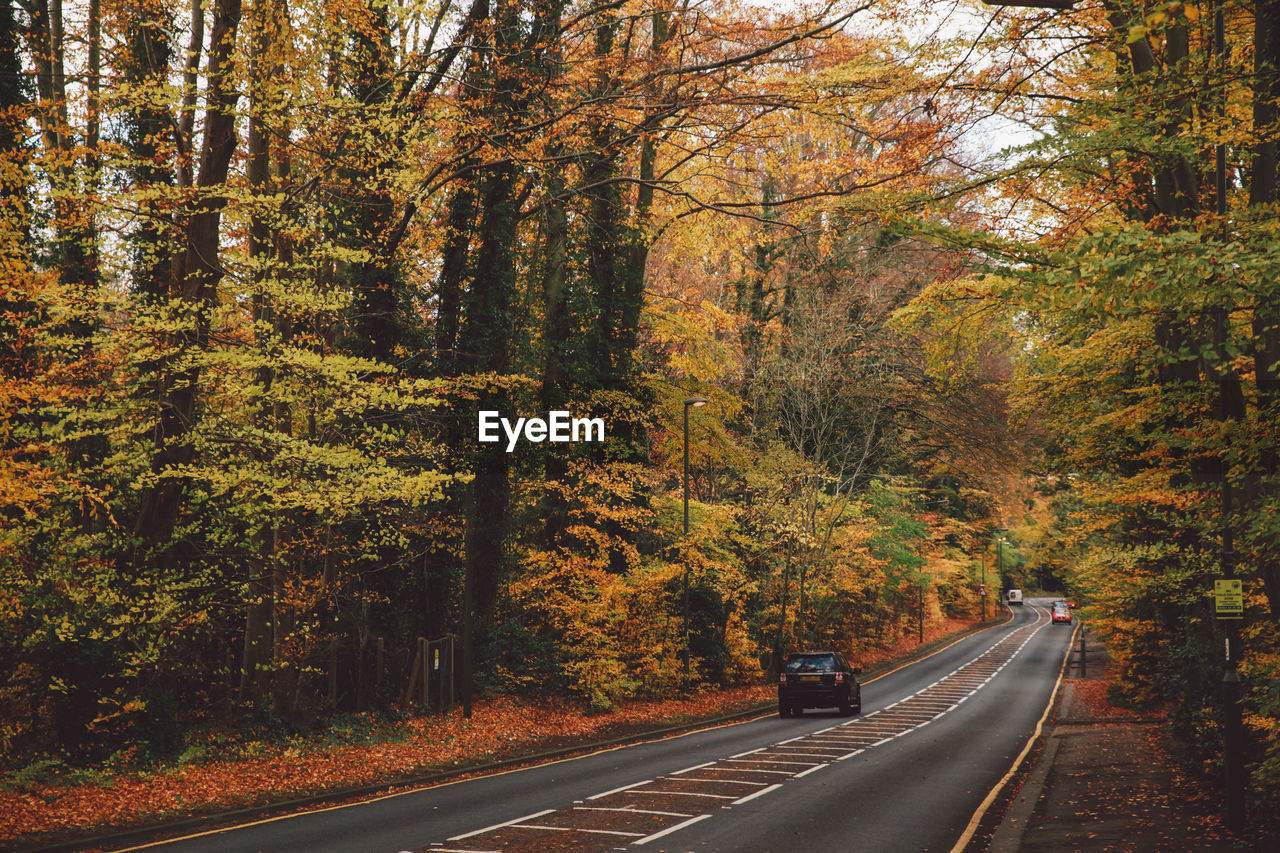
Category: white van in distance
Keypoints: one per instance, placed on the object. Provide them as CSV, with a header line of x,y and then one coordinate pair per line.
x,y
1015,597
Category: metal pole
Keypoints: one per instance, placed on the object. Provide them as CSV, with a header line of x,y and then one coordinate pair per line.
x,y
1000,560
1233,745
684,595
1234,776
1220,48
686,469
983,555
1232,724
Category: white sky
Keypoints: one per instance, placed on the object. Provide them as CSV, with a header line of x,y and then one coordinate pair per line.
x,y
945,19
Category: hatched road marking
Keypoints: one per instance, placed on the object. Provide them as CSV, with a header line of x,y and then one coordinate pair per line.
x,y
641,805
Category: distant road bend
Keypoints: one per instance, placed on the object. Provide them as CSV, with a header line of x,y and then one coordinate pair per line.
x,y
906,775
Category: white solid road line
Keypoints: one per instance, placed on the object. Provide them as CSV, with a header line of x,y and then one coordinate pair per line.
x,y
501,825
633,811
976,820
670,829
694,767
812,751
749,797
618,790
577,829
803,773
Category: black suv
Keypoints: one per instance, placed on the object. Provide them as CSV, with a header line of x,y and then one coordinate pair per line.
x,y
818,680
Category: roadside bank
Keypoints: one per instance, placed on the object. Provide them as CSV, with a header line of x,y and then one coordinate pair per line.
x,y
1101,779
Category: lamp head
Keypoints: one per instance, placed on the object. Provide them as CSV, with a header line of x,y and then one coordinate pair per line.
x,y
695,401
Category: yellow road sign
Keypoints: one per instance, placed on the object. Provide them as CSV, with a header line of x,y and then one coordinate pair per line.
x,y
1228,599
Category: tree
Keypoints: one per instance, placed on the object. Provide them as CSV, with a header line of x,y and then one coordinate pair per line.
x,y
318,237
1146,301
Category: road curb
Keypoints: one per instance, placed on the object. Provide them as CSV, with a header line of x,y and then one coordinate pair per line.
x,y
1025,763
1013,826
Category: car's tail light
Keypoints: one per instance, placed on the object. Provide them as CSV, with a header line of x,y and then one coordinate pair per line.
x,y
839,678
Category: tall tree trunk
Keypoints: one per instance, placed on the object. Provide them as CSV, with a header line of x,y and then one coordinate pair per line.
x,y
556,348
508,75
73,172
195,276
185,135
147,69
379,294
74,229
617,239
486,330
753,293
555,279
459,222
15,226
1265,477
1262,191
288,676
260,638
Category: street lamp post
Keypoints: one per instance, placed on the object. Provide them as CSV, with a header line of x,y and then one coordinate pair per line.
x,y
1000,560
1232,722
690,402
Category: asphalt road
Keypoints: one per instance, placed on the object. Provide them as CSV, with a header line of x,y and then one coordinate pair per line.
x,y
933,739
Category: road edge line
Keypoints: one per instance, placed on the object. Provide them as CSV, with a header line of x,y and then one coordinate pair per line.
x,y
213,823
972,828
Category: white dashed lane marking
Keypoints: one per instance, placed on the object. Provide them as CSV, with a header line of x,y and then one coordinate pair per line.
x,y
720,784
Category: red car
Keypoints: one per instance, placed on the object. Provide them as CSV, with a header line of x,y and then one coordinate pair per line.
x,y
1061,612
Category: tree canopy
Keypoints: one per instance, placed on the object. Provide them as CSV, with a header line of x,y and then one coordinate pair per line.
x,y
266,261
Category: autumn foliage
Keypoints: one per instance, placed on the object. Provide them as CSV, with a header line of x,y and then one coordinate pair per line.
x,y
263,263
1132,246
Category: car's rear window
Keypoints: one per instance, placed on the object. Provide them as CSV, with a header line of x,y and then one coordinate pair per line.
x,y
811,663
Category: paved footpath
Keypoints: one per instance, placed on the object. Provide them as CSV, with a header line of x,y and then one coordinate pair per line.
x,y
1102,780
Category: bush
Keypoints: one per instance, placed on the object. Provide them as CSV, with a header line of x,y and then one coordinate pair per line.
x,y
43,771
